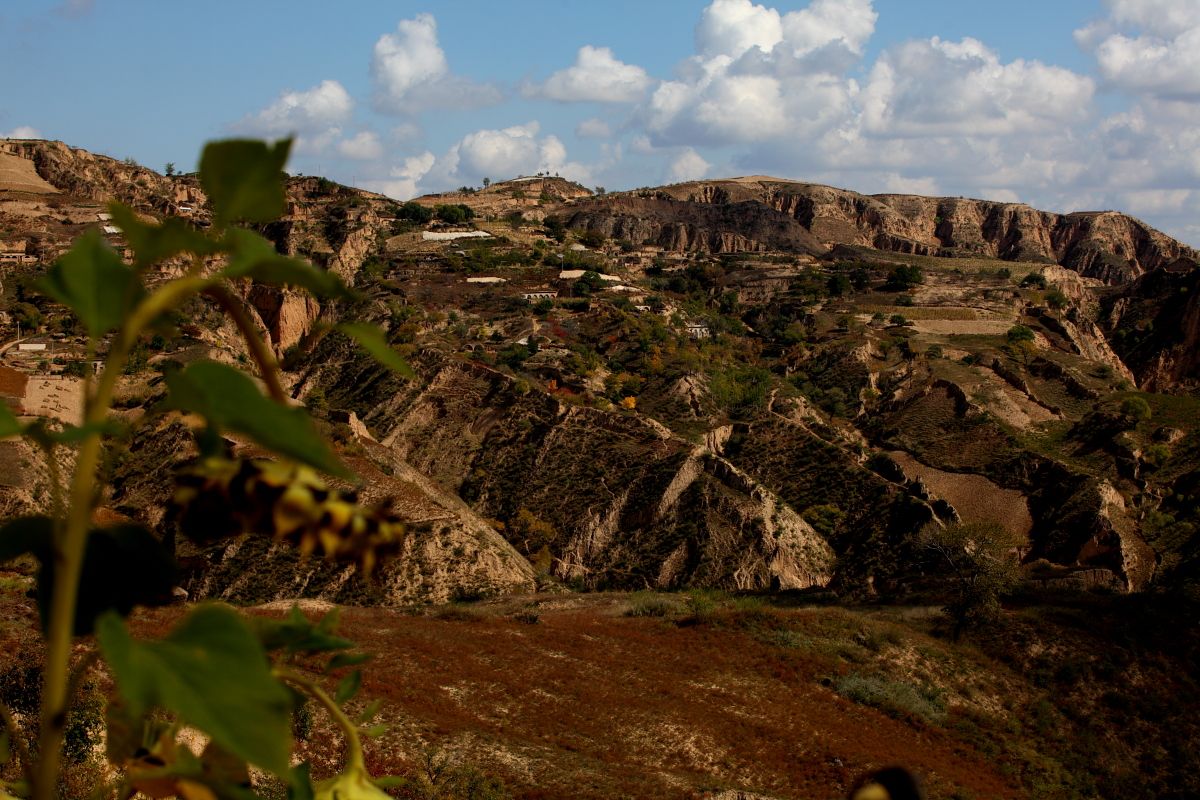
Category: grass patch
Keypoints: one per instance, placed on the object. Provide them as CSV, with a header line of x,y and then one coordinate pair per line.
x,y
895,698
647,604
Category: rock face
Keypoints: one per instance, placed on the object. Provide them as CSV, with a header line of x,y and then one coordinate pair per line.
x,y
748,214
656,511
87,175
1154,325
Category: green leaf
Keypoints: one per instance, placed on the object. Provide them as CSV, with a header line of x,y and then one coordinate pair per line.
x,y
123,566
73,434
212,672
371,339
230,400
153,243
8,422
295,634
369,712
348,687
300,786
347,660
93,282
243,179
252,256
375,731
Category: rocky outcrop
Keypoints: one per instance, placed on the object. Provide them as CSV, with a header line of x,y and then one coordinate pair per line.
x,y
1154,326
82,174
286,314
623,503
749,214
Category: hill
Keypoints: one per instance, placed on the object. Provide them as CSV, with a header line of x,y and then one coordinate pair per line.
x,y
748,387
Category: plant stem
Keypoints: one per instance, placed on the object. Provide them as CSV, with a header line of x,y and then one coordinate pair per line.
x,y
69,550
18,741
267,367
354,752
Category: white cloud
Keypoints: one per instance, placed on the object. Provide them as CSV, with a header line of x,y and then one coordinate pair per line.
x,y
411,73
1148,47
847,23
593,128
939,88
507,153
596,76
731,27
894,183
1167,18
363,146
688,166
317,118
401,183
22,132
324,106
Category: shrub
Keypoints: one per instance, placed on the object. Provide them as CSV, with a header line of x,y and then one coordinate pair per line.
x,y
904,277
1020,333
1135,410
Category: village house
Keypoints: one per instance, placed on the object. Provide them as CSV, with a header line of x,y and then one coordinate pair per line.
x,y
15,253
534,296
697,330
487,279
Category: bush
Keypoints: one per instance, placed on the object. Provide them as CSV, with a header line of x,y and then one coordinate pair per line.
x,y
1019,333
904,277
1056,299
1135,410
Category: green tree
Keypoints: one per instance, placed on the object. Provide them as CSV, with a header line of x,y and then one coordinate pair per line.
x,y
169,169
979,559
27,316
1056,299
1135,410
1019,333
838,284
555,229
903,278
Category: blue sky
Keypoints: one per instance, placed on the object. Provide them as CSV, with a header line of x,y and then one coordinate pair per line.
x,y
1070,104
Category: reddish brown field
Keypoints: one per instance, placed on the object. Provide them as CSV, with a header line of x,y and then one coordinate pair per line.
x,y
588,703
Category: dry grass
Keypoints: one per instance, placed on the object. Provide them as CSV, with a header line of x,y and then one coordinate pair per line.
x,y
922,312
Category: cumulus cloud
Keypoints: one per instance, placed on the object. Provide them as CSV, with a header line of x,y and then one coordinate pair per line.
x,y
317,118
509,152
363,146
326,105
401,182
22,132
1148,46
411,73
593,128
596,76
688,166
937,87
